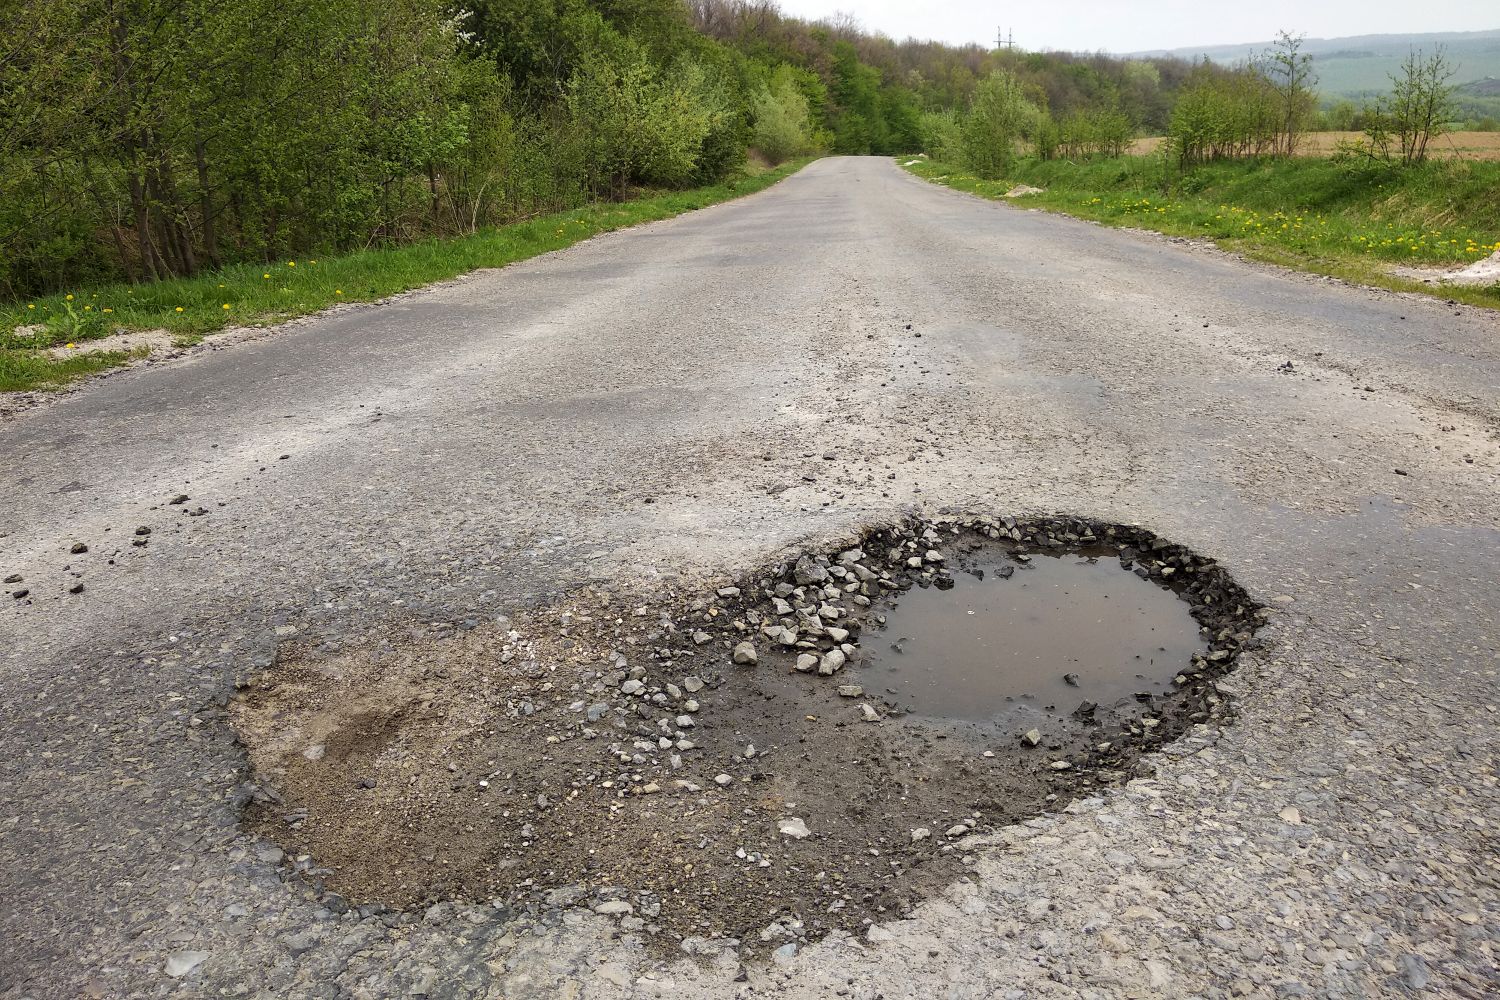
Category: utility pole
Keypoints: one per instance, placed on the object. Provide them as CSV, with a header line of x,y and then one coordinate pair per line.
x,y
1005,39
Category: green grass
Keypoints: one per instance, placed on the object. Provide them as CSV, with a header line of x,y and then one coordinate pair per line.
x,y
261,294
1312,214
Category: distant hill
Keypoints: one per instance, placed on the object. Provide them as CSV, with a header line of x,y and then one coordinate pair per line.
x,y
1361,65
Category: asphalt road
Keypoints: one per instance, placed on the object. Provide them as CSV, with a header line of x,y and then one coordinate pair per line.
x,y
467,449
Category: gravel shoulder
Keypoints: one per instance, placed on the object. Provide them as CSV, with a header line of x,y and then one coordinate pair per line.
x,y
654,409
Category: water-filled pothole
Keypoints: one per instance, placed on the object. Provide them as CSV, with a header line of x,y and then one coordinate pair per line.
x,y
720,768
1022,637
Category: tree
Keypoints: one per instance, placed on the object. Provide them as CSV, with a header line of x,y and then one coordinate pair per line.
x,y
1421,102
996,121
782,118
1290,72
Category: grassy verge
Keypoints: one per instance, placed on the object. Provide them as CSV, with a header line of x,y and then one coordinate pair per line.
x,y
261,294
1314,215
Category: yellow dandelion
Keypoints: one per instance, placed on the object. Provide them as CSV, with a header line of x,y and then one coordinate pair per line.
x,y
291,263
70,298
338,291
31,305
88,309
108,309
179,308
71,346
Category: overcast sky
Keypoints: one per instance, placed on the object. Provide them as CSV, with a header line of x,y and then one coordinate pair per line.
x,y
1135,25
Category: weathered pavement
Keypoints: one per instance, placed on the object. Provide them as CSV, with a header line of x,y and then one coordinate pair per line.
x,y
470,448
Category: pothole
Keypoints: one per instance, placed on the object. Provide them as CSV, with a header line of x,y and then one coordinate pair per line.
x,y
1023,638
741,766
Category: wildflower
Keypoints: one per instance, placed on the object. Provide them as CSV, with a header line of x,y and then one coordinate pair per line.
x,y
338,291
108,309
31,305
226,305
291,263
265,275
70,298
179,308
71,346
88,308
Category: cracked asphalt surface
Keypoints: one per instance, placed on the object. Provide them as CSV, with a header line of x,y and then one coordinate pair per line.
x,y
655,405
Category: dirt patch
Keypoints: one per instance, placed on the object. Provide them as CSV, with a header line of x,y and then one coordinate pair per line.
x,y
1476,275
142,342
705,768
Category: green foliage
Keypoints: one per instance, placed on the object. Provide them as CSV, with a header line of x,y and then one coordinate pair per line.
x,y
942,136
1225,113
783,118
261,293
998,119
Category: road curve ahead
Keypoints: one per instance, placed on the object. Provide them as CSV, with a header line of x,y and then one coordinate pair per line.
x,y
661,401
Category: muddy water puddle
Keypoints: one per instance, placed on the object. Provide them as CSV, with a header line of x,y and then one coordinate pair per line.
x,y
1016,639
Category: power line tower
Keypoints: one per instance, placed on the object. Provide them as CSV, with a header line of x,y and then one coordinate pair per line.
x,y
1005,39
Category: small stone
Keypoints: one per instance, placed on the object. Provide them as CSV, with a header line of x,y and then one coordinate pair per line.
x,y
315,751
632,687
78,548
919,834
729,592
1292,815
808,571
794,828
692,683
957,830
1060,765
1032,737
13,578
744,654
1071,680
180,963
832,662
723,780
685,722
143,531
850,691
699,638
806,662
870,715
614,908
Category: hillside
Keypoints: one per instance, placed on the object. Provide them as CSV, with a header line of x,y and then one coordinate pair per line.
x,y
1359,65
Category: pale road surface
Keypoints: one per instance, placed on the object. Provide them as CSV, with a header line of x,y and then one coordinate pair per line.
x,y
467,449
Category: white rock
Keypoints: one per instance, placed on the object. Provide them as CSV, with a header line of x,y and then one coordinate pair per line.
x,y
794,828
